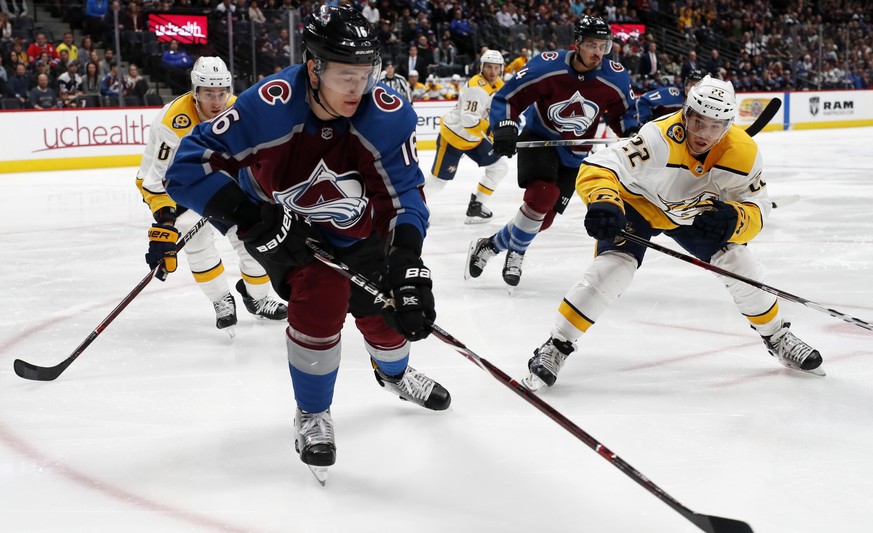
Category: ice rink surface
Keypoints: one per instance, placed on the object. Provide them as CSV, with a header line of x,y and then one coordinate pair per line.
x,y
166,424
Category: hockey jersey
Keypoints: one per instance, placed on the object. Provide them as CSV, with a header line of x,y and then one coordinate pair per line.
x,y
659,102
656,174
557,102
174,121
467,124
349,176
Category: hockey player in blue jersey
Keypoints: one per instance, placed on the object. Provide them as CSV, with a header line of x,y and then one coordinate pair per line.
x,y
321,150
665,100
561,95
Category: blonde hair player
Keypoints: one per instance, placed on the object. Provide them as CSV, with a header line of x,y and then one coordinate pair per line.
x,y
696,178
211,93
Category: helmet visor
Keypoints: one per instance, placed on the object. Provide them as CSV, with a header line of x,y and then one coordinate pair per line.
x,y
351,80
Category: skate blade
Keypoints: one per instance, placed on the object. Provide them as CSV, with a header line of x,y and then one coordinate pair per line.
x,y
470,251
533,383
230,330
819,371
320,473
476,220
510,289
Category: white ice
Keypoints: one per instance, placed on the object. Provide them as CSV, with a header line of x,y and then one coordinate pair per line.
x,y
165,424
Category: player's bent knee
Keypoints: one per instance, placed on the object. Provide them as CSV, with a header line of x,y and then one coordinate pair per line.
x,y
611,274
541,196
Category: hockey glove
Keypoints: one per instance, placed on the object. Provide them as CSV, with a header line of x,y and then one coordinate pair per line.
x,y
505,137
162,249
278,243
604,220
409,283
717,225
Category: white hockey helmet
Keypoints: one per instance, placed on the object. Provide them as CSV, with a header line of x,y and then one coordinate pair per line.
x,y
210,72
713,98
491,56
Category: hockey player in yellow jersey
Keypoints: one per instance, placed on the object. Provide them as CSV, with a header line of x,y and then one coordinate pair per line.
x,y
697,178
210,95
465,130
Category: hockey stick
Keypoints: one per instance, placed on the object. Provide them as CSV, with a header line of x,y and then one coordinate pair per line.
x,y
763,119
708,523
42,373
764,287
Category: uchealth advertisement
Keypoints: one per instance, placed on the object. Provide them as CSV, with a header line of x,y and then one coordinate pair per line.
x,y
65,139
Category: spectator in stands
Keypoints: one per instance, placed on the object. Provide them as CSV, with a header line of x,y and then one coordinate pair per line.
x,y
371,13
446,54
108,59
10,63
410,62
112,84
92,79
95,18
5,28
395,81
69,46
39,46
221,10
18,48
70,84
59,66
42,96
690,64
19,84
178,64
715,65
649,67
134,19
462,31
242,12
134,84
425,52
15,8
42,66
505,18
282,46
255,13
386,34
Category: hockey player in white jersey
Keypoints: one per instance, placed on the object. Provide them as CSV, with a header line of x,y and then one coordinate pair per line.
x,y
696,178
211,94
465,130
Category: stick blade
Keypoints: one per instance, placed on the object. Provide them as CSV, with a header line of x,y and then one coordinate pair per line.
x,y
718,524
36,373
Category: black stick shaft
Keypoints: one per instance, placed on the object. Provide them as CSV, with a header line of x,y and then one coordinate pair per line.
x,y
38,373
710,524
763,286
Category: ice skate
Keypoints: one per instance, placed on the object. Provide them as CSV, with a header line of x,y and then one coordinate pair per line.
x,y
546,363
225,314
793,352
512,268
314,441
477,213
413,386
266,307
481,250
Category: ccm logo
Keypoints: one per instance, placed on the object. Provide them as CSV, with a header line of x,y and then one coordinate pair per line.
x,y
280,237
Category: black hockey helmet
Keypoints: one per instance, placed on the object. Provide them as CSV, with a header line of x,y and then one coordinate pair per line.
x,y
695,75
594,27
341,34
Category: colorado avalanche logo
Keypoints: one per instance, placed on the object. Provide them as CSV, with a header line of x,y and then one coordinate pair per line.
x,y
689,207
327,197
574,115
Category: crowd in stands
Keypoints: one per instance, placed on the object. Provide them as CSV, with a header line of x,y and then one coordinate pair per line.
x,y
757,45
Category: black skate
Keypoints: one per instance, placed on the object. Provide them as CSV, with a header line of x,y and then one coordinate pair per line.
x,y
793,352
314,441
413,386
480,252
512,267
547,361
266,307
477,213
225,314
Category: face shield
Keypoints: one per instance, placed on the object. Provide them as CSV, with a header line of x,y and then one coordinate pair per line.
x,y
592,47
348,79
704,130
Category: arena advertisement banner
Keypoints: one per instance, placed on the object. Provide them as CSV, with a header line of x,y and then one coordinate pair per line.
x,y
187,29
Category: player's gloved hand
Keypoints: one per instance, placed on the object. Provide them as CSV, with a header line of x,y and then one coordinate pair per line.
x,y
162,247
278,243
717,224
409,283
505,137
604,220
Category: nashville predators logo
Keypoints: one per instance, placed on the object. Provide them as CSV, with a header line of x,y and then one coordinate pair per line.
x,y
689,207
181,121
677,133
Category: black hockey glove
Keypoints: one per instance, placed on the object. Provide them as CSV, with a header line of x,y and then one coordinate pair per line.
x,y
409,284
278,243
604,220
717,225
505,137
162,247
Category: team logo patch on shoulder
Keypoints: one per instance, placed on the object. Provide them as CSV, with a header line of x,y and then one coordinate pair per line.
x,y
181,121
677,133
386,101
482,83
618,67
550,56
275,91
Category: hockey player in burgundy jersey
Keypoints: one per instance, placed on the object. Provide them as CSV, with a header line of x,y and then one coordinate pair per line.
x,y
319,150
558,95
